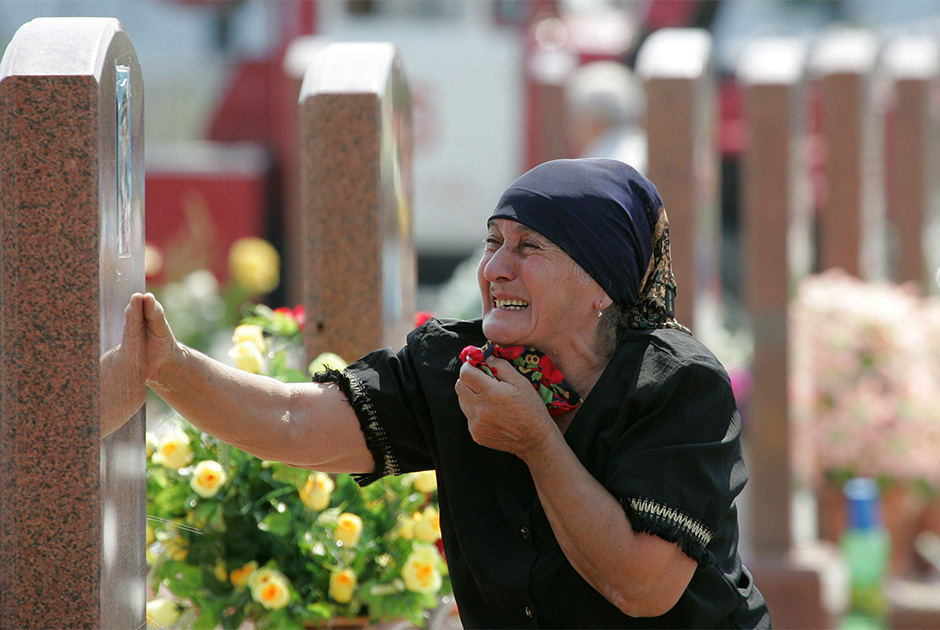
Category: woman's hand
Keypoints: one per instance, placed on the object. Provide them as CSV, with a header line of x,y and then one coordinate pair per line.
x,y
145,320
503,413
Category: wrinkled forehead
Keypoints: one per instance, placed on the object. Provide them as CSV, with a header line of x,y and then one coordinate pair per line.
x,y
503,226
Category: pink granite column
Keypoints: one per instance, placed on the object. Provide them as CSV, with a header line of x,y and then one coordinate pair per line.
x,y
681,115
71,253
776,231
297,57
851,221
359,259
912,67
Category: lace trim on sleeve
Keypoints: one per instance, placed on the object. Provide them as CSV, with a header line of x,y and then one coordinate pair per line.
x,y
651,517
376,439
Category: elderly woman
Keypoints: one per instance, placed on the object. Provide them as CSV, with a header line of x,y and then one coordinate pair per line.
x,y
586,445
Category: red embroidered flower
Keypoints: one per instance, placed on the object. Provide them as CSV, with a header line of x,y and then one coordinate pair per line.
x,y
472,355
509,352
475,357
550,374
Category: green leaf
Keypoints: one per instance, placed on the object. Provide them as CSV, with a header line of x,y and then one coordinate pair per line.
x,y
291,475
171,500
279,523
209,617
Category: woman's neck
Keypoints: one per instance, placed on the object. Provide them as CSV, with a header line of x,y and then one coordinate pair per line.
x,y
581,364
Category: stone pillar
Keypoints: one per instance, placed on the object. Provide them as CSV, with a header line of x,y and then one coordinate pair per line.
x,y
71,253
549,62
851,223
776,229
359,259
297,58
681,115
912,67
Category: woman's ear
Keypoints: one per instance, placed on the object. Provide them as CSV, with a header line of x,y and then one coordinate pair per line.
x,y
602,302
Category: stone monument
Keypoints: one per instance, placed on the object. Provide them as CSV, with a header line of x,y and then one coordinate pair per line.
x,y
71,253
681,119
851,221
912,67
359,258
777,236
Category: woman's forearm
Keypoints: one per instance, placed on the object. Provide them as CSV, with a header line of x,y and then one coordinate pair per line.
x,y
303,424
641,574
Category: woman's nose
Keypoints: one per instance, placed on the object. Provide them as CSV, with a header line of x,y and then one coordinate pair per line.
x,y
499,266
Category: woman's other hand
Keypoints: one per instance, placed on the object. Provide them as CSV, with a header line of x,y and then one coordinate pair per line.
x,y
503,413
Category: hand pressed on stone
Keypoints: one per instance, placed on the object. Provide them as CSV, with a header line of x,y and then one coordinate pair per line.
x,y
148,319
503,413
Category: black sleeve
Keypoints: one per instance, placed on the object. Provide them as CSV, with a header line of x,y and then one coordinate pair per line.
x,y
678,467
394,393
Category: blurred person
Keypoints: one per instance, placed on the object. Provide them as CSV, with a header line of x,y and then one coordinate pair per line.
x,y
605,105
586,445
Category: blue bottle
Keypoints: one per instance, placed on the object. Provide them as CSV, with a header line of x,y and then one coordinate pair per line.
x,y
866,548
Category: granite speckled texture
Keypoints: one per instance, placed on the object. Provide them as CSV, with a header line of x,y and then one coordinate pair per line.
x,y
71,504
359,261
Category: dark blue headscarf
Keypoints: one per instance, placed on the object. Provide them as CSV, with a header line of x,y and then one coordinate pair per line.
x,y
601,212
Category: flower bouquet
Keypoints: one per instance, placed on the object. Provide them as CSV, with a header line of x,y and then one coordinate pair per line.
x,y
234,538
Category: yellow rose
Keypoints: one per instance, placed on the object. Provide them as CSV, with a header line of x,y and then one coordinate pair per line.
x,y
270,588
162,613
428,526
342,585
406,527
255,265
221,572
325,360
425,481
247,357
420,573
208,478
173,450
348,529
317,492
239,577
251,334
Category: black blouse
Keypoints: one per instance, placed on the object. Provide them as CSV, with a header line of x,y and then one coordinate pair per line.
x,y
659,430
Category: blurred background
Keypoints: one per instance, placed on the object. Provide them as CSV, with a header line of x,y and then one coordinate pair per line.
x,y
499,86
213,102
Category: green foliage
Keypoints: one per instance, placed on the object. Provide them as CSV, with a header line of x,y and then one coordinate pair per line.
x,y
208,549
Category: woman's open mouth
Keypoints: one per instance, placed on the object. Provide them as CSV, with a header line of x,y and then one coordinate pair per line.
x,y
510,305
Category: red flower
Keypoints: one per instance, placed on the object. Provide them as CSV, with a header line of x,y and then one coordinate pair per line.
x,y
550,374
472,355
421,317
300,314
475,357
509,352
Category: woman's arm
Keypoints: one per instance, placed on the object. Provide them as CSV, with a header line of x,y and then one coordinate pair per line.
x,y
641,574
309,425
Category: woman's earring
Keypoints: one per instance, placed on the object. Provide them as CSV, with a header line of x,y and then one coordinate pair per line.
x,y
600,314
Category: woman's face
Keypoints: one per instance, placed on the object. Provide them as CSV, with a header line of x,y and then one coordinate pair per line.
x,y
533,293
